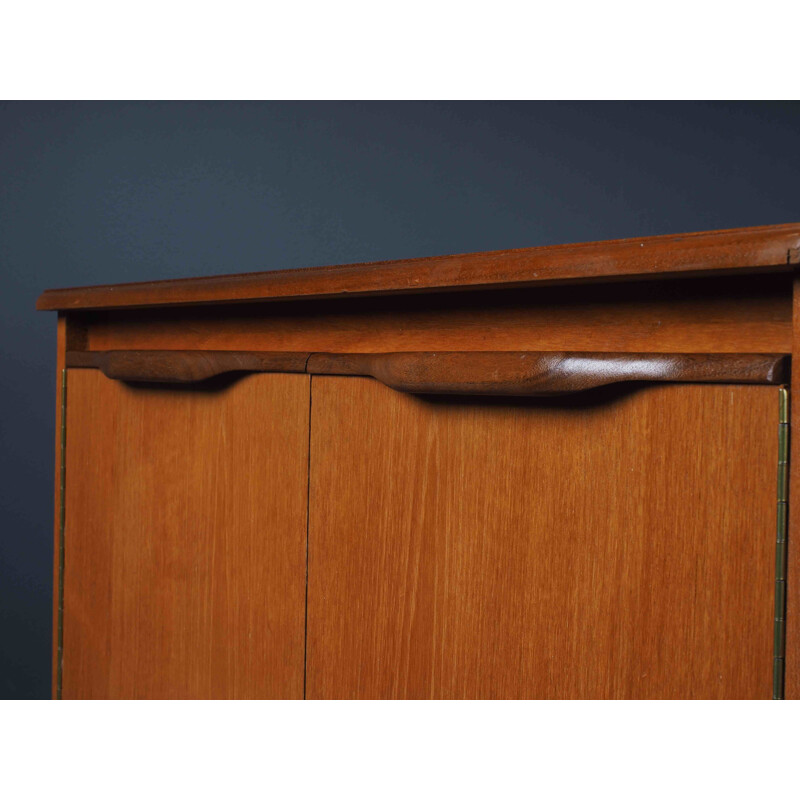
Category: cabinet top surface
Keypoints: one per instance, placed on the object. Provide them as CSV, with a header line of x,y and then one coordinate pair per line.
x,y
767,248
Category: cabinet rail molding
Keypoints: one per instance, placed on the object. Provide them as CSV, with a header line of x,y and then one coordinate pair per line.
x,y
510,373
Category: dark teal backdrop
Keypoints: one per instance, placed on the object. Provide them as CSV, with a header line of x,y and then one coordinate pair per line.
x,y
108,192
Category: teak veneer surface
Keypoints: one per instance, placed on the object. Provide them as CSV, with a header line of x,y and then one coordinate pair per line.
x,y
618,548
185,539
763,248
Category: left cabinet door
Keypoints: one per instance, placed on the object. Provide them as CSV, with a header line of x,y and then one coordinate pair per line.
x,y
185,538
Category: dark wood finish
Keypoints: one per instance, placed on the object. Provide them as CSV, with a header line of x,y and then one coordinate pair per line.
x,y
740,314
185,539
532,374
774,247
184,366
503,373
623,549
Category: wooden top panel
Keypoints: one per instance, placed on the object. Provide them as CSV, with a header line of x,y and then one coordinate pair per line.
x,y
772,248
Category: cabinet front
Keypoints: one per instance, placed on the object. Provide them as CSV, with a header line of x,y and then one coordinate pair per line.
x,y
557,472
613,544
184,546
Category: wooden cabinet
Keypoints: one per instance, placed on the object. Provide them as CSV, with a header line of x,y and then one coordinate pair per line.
x,y
386,486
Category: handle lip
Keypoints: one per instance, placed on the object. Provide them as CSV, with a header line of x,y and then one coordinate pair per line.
x,y
183,366
479,372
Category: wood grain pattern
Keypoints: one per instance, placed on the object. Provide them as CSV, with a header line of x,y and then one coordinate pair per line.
x,y
773,247
185,539
733,315
619,546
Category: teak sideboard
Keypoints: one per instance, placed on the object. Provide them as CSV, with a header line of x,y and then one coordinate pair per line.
x,y
557,472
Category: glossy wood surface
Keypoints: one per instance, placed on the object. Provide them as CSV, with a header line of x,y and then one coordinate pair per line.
x,y
734,315
774,247
481,373
610,545
539,374
184,366
185,539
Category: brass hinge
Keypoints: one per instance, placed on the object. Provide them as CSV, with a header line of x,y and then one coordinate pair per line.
x,y
62,482
779,645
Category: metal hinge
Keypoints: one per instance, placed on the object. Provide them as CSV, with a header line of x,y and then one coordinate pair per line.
x,y
779,646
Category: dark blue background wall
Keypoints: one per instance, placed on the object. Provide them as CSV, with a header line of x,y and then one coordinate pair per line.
x,y
108,192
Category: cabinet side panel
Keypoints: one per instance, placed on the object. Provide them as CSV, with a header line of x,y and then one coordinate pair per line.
x,y
61,348
619,545
185,539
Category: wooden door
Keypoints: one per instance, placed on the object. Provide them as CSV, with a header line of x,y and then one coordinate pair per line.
x,y
612,545
185,538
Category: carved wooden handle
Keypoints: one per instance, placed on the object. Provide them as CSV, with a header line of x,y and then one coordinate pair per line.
x,y
481,373
183,366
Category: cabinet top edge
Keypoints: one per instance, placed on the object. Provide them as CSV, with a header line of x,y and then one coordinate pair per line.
x,y
765,248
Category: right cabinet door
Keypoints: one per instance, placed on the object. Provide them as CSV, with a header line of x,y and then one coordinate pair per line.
x,y
618,544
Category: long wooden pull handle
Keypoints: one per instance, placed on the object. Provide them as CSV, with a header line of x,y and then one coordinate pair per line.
x,y
531,374
479,373
183,366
